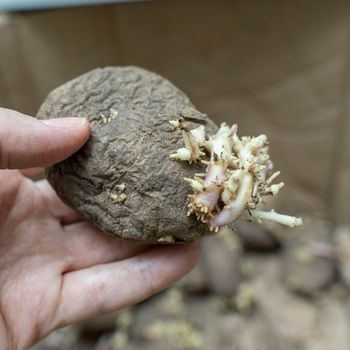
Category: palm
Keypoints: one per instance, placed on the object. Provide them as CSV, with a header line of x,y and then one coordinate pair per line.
x,y
30,257
55,268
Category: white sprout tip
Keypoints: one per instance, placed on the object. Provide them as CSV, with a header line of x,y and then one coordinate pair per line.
x,y
181,154
120,188
199,134
259,141
234,128
174,123
276,188
197,186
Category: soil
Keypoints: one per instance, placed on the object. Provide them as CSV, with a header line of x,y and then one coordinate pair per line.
x,y
122,180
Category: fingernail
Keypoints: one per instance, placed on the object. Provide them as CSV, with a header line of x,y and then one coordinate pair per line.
x,y
65,122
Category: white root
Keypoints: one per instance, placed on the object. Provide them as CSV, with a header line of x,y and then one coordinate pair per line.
x,y
239,174
287,220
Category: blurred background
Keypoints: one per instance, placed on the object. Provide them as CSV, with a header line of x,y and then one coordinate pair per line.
x,y
276,67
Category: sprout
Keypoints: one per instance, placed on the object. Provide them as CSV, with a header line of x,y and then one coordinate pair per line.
x,y
193,141
290,221
239,174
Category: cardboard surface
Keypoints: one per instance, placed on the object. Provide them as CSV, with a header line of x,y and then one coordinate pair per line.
x,y
273,67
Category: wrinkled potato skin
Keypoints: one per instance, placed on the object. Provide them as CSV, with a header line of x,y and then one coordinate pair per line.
x,y
129,110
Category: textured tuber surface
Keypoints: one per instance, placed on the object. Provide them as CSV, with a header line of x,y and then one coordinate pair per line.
x,y
123,180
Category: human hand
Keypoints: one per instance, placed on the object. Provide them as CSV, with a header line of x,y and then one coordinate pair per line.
x,y
56,268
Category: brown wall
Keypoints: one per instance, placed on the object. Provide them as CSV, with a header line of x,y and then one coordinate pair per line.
x,y
277,67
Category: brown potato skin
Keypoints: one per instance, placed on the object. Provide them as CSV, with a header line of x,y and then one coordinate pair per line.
x,y
129,110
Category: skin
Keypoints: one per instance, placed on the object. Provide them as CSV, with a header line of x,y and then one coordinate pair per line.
x,y
56,268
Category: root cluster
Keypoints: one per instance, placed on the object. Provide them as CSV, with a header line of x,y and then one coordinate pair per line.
x,y
239,175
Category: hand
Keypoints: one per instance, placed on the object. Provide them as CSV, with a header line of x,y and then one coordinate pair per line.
x,y
56,268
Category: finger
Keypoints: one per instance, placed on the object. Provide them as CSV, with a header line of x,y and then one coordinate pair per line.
x,y
110,287
57,208
33,173
26,142
88,246
9,192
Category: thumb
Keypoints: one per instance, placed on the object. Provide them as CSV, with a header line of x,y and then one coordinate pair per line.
x,y
27,142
